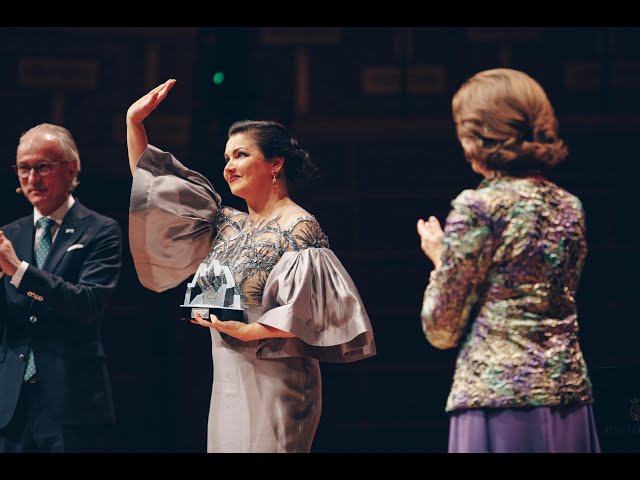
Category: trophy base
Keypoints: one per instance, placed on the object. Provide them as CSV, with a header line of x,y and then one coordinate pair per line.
x,y
188,312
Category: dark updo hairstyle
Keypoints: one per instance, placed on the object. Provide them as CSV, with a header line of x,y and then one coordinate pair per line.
x,y
274,140
509,121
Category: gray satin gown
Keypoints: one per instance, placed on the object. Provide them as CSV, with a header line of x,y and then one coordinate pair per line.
x,y
267,394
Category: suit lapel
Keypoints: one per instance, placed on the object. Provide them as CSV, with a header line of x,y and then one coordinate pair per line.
x,y
73,225
23,240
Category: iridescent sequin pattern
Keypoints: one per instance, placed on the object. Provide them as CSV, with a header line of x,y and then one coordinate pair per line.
x,y
251,251
513,252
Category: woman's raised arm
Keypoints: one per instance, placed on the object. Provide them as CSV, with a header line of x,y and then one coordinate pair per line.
x,y
137,112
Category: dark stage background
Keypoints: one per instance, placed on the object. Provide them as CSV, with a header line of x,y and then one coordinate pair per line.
x,y
372,104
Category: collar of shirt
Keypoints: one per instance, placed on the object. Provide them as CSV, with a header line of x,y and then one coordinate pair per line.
x,y
58,214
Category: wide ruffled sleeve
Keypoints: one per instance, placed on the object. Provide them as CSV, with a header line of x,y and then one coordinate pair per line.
x,y
171,219
309,293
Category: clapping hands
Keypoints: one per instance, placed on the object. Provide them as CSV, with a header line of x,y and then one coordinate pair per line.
x,y
431,235
9,261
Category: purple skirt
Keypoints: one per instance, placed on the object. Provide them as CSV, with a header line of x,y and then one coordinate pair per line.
x,y
524,430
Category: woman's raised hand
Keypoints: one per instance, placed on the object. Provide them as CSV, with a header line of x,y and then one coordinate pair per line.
x,y
141,108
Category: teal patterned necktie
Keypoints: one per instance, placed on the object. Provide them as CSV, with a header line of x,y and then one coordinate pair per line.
x,y
41,255
45,240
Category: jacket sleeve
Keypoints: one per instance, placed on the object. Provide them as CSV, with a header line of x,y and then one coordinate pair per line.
x,y
452,291
86,299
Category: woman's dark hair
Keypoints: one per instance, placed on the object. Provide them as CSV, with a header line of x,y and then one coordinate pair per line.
x,y
509,122
274,140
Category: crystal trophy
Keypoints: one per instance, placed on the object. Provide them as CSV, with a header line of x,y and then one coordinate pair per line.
x,y
218,296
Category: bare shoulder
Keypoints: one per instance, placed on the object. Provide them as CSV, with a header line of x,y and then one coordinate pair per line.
x,y
233,213
292,213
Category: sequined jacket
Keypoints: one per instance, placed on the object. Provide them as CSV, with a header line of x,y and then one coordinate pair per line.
x,y
513,252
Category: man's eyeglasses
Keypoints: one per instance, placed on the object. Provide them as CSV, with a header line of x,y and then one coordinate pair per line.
x,y
42,169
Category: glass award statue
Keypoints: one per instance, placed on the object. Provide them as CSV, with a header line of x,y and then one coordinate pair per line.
x,y
212,291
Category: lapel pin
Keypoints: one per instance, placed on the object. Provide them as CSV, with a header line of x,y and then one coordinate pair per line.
x,y
69,230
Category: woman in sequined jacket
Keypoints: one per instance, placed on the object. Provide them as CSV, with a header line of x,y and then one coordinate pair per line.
x,y
506,270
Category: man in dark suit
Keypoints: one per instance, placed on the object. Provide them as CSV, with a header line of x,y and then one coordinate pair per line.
x,y
60,266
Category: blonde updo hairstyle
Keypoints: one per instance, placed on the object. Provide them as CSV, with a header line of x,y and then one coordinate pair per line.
x,y
508,122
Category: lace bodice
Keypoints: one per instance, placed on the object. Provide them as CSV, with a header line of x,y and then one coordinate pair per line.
x,y
251,251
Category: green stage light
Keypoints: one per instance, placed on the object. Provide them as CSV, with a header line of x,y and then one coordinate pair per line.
x,y
218,78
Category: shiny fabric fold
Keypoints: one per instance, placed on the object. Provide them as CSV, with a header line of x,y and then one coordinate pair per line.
x,y
171,220
310,293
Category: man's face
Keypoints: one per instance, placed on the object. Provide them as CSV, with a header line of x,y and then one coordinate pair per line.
x,y
45,192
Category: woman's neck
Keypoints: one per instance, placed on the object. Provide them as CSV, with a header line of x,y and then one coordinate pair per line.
x,y
258,213
489,174
535,174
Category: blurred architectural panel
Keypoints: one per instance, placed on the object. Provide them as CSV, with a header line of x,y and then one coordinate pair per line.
x,y
300,35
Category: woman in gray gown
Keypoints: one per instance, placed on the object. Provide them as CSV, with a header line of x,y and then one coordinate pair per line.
x,y
300,305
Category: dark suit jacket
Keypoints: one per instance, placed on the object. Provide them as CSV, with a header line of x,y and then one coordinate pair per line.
x,y
58,311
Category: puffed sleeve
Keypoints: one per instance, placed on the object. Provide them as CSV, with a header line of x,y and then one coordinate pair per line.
x,y
171,219
309,293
